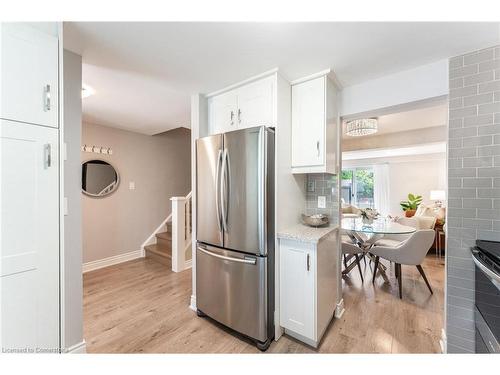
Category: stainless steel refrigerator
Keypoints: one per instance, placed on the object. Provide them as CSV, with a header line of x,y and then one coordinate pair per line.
x,y
235,231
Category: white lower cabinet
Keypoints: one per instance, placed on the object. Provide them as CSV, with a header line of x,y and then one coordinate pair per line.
x,y
298,297
308,287
29,197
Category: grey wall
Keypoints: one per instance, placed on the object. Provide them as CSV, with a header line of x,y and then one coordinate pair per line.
x,y
72,308
159,165
325,185
473,182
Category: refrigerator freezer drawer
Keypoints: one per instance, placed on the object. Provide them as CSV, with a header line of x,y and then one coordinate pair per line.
x,y
231,288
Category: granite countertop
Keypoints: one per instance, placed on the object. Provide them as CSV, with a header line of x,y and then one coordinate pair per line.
x,y
304,233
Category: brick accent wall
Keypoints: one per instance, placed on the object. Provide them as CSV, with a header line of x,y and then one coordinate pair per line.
x,y
473,182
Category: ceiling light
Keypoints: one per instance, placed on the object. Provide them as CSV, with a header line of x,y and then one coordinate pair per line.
x,y
365,126
87,91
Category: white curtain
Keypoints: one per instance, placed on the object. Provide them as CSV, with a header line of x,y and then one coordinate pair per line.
x,y
381,193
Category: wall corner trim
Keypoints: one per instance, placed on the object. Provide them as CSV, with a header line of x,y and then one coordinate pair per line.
x,y
340,309
192,305
443,342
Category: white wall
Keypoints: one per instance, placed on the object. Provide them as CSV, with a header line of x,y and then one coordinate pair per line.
x,y
409,86
417,177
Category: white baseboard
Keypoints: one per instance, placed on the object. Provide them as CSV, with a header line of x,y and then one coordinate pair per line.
x,y
192,305
443,342
106,262
80,348
340,309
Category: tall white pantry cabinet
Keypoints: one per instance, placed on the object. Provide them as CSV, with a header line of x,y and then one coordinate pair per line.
x,y
29,188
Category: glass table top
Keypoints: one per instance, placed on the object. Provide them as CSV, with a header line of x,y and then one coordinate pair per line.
x,y
379,226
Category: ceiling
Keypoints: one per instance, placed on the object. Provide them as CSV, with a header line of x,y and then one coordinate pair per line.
x,y
144,73
420,118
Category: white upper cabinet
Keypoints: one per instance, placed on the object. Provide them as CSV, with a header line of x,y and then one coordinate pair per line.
x,y
29,75
308,123
222,112
256,103
252,104
314,126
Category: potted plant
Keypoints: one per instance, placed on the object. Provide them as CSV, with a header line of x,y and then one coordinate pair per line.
x,y
410,206
368,215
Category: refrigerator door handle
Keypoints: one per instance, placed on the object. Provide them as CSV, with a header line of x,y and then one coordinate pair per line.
x,y
246,260
217,189
262,184
224,191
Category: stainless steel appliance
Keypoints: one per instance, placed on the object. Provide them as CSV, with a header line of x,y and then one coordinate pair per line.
x,y
486,256
235,231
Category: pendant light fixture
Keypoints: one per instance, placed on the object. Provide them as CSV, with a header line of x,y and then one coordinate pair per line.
x,y
358,128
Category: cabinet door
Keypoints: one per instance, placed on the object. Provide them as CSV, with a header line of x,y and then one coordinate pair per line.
x,y
222,112
29,75
297,290
256,103
308,123
30,236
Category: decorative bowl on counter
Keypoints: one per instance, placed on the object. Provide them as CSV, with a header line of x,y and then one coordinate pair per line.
x,y
316,220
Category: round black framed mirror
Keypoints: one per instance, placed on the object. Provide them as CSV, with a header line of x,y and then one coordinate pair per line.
x,y
99,178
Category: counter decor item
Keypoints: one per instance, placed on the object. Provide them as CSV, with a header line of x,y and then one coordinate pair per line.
x,y
368,215
316,220
410,206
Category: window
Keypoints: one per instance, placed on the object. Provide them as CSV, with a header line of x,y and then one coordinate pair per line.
x,y
357,187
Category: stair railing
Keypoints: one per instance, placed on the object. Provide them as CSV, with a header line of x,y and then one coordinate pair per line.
x,y
181,231
107,189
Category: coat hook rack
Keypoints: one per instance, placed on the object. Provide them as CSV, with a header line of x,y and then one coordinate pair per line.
x,y
97,149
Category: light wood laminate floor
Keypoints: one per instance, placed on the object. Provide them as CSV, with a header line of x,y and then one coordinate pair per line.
x,y
141,306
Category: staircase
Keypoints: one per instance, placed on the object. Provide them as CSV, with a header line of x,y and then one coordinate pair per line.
x,y
161,251
172,245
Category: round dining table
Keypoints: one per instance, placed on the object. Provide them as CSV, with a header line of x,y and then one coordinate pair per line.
x,y
365,235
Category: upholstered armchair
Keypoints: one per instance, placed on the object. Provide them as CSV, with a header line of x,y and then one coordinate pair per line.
x,y
350,210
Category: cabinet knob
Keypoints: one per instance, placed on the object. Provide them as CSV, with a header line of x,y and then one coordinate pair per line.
x,y
232,116
317,147
239,116
308,262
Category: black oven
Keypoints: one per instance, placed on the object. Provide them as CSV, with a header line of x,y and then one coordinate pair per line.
x,y
486,256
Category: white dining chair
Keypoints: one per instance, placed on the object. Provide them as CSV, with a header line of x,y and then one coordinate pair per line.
x,y
409,252
349,248
422,222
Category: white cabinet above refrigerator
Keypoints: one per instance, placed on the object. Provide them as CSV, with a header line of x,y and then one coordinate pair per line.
x,y
247,104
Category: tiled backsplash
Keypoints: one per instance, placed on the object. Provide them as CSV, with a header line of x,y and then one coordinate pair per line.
x,y
473,182
324,185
